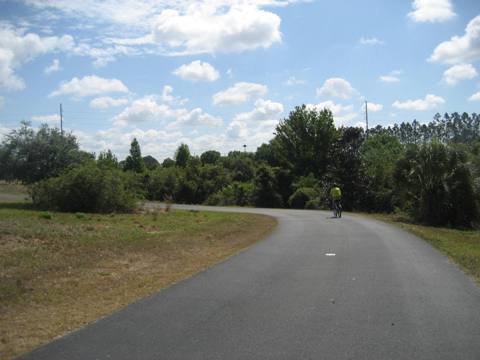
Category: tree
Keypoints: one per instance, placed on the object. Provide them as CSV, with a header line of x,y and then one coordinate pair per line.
x,y
31,156
210,157
304,140
264,193
134,161
345,167
106,159
437,185
167,163
150,162
182,155
379,154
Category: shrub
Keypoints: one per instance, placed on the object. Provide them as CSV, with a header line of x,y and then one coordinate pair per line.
x,y
87,188
80,215
313,204
301,197
46,215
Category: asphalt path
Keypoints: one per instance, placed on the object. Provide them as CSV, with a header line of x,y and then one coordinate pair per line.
x,y
12,197
385,294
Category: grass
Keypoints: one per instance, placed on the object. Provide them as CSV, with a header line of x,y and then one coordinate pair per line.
x,y
13,188
60,271
461,246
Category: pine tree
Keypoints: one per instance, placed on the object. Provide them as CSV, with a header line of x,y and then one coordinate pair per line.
x,y
134,161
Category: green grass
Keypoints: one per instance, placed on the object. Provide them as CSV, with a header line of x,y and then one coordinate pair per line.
x,y
13,188
462,246
59,271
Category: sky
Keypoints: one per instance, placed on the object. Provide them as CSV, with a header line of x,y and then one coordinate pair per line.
x,y
221,74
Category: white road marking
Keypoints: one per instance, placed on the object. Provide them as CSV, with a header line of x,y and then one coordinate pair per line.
x,y
330,254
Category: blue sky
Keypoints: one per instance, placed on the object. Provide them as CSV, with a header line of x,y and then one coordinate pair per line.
x,y
221,73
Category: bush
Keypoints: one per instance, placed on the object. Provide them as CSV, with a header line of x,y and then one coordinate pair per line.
x,y
301,197
238,193
46,215
313,204
87,188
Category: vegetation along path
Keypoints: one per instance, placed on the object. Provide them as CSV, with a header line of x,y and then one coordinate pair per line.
x,y
316,288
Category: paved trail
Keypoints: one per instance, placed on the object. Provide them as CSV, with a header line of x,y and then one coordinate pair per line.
x,y
384,295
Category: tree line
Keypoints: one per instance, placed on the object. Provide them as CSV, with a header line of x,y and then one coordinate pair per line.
x,y
431,171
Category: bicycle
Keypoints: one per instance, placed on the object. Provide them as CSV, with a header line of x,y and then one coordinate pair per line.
x,y
337,208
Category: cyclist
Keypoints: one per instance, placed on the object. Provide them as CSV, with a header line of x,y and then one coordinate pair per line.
x,y
336,195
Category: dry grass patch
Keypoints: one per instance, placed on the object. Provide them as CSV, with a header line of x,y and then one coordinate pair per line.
x,y
61,273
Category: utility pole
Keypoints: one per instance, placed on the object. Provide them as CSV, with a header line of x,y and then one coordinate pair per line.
x,y
366,117
61,120
244,148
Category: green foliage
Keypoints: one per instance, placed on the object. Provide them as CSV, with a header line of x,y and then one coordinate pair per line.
x,y
150,162
436,185
162,184
46,215
238,193
167,163
80,215
379,154
106,159
210,157
134,161
304,140
29,156
301,197
264,193
182,155
87,188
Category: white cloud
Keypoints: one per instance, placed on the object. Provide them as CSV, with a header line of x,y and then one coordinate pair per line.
x,y
104,54
47,119
391,77
342,114
460,72
332,106
431,11
197,71
90,86
371,41
169,27
148,109
239,93
168,97
475,97
336,87
237,130
264,110
430,102
142,110
372,107
255,126
105,102
159,143
292,80
193,118
205,28
18,48
460,49
52,68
